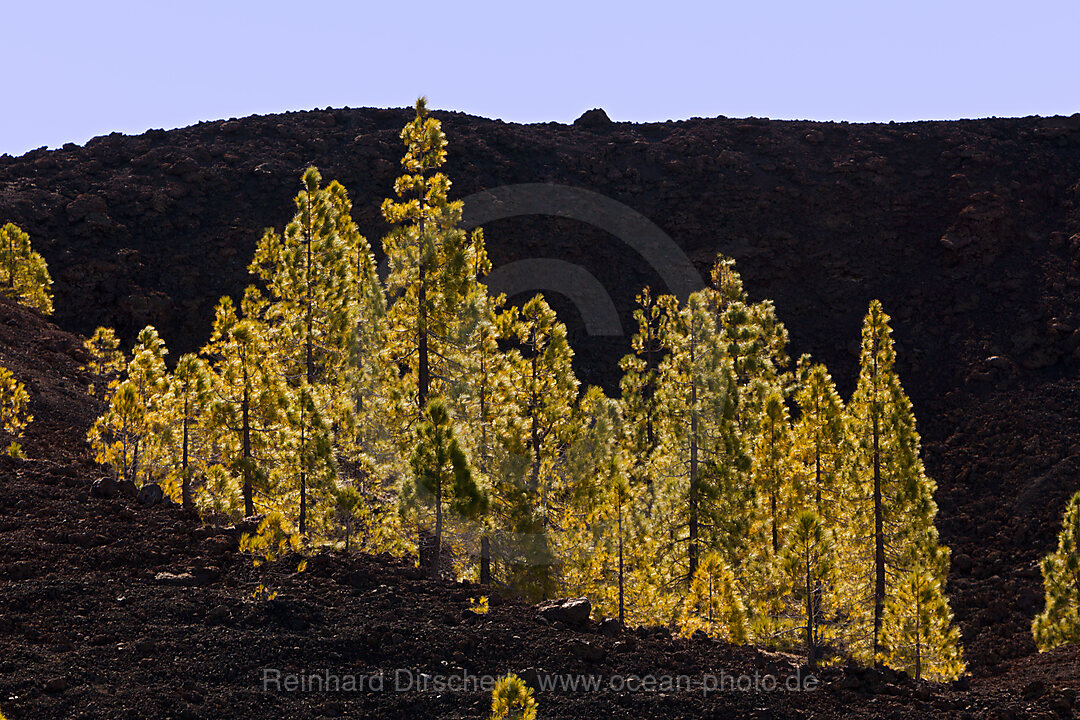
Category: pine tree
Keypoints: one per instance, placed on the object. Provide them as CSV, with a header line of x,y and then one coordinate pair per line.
x,y
24,276
919,635
541,388
819,465
1059,622
185,409
14,401
638,385
808,561
595,523
700,458
893,496
442,475
820,446
714,604
127,436
770,465
433,265
249,399
107,362
308,272
512,699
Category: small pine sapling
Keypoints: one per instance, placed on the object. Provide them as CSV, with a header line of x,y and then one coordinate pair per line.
x,y
13,416
1059,623
512,699
24,276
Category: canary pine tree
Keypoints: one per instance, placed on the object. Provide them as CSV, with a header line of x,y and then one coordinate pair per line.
x,y
24,275
512,699
107,362
770,467
919,635
700,461
307,271
713,603
809,562
594,523
1059,622
184,410
127,436
433,265
638,385
819,443
892,497
442,475
249,401
14,401
541,389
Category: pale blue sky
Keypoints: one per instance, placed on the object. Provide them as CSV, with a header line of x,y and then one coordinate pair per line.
x,y
71,71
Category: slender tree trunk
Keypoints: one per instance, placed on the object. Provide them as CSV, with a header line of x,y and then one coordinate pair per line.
x,y
693,549
811,649
918,644
485,560
879,523
438,528
622,606
185,483
249,490
775,531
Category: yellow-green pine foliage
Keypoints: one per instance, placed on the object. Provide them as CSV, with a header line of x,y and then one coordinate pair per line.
x,y
809,563
541,388
442,476
920,637
713,603
892,496
512,699
1059,622
754,338
128,436
309,275
595,524
107,362
700,467
771,471
433,266
14,402
820,444
819,462
184,426
246,411
24,276
640,406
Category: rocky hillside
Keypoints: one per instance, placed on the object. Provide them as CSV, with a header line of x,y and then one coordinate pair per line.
x,y
115,608
968,231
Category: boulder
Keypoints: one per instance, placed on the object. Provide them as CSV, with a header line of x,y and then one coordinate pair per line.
x,y
572,612
105,488
150,495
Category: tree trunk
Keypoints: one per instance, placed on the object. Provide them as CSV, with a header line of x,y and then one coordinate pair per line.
x,y
693,549
622,606
249,491
438,529
879,524
185,482
811,648
485,560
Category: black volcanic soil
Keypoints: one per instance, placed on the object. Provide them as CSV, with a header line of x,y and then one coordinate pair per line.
x,y
113,610
968,231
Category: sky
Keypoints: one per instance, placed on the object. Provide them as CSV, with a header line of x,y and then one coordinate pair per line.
x,y
72,71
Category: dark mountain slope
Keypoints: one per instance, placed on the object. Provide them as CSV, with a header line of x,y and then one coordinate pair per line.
x,y
968,231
